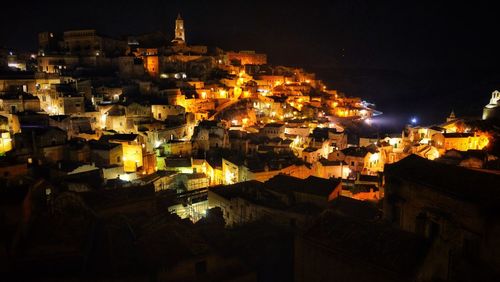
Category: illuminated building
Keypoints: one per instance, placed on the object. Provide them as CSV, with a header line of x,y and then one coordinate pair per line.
x,y
131,147
151,65
273,130
180,36
460,141
328,169
258,200
230,171
162,112
177,148
245,58
14,102
5,142
492,110
106,153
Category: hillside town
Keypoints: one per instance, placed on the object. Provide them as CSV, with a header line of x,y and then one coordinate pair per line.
x,y
150,159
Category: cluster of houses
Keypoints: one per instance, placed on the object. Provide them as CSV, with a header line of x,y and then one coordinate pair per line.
x,y
145,125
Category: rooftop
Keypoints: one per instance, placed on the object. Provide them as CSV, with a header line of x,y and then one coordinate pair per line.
x,y
102,145
355,151
119,137
326,162
273,125
454,181
312,185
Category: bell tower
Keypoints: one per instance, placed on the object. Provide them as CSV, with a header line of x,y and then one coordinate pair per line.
x,y
179,30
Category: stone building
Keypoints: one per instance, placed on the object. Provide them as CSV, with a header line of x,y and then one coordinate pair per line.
x,y
454,208
106,153
14,102
163,111
284,200
273,130
343,247
245,58
44,144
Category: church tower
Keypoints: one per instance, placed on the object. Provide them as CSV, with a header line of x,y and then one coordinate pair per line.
x,y
452,116
180,37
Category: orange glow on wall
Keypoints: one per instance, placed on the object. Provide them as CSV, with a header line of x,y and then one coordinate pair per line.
x,y
5,142
151,65
132,157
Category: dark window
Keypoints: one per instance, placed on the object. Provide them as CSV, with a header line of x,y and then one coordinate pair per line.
x,y
434,230
396,215
118,159
200,267
420,224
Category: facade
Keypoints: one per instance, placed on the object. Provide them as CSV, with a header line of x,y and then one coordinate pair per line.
x,y
453,208
273,130
106,154
162,112
177,148
19,102
328,169
284,200
89,43
336,248
459,141
132,150
42,144
246,58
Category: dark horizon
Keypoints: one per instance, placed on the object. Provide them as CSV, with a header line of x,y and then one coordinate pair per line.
x,y
379,51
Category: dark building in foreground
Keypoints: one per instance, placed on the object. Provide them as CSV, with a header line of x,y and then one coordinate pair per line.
x,y
347,248
454,208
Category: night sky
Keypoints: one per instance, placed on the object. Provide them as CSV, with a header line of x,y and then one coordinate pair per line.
x,y
422,58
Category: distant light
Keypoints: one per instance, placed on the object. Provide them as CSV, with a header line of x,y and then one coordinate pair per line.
x,y
368,121
414,120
